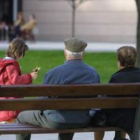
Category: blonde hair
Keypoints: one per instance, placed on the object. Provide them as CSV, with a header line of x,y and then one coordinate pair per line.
x,y
17,48
127,55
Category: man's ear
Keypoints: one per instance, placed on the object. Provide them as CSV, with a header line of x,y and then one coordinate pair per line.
x,y
83,54
65,53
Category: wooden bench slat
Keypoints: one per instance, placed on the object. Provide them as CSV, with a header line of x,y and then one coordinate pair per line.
x,y
16,125
69,90
25,128
39,104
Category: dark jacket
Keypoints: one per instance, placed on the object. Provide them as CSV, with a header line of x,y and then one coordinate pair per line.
x,y
123,118
126,75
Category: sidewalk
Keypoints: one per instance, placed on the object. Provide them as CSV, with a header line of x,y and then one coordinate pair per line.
x,y
92,47
77,136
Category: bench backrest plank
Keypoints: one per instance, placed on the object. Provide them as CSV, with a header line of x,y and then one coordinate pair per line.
x,y
69,90
42,104
25,128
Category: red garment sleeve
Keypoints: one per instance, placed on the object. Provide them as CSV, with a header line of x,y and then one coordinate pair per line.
x,y
15,77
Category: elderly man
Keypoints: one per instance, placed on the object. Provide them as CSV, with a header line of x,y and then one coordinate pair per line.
x,y
73,71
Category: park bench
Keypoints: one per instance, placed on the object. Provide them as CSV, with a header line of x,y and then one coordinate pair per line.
x,y
81,97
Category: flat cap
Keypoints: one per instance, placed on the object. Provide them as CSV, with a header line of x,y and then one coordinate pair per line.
x,y
75,45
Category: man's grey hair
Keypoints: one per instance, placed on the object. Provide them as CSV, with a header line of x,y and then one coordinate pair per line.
x,y
74,54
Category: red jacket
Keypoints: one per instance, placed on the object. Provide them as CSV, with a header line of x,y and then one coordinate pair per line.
x,y
10,74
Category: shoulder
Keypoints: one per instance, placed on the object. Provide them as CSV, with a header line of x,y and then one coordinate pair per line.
x,y
116,76
9,65
55,69
53,72
13,63
91,68
51,76
8,62
126,75
93,72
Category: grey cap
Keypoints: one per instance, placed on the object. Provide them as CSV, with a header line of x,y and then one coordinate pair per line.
x,y
75,45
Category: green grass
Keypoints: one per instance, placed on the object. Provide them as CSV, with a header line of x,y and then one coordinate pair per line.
x,y
105,63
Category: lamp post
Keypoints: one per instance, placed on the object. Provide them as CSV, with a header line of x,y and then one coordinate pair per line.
x,y
74,5
73,17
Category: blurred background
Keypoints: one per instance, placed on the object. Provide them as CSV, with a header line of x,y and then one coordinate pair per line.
x,y
105,24
94,20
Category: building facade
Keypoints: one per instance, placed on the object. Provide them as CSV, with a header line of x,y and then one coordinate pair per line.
x,y
9,9
95,20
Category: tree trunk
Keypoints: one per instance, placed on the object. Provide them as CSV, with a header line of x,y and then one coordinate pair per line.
x,y
138,33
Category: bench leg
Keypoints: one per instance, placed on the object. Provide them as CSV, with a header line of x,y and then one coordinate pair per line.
x,y
136,130
131,136
10,121
118,136
23,137
67,136
135,135
99,135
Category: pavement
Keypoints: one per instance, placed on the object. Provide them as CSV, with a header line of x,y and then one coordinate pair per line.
x,y
77,136
92,46
44,45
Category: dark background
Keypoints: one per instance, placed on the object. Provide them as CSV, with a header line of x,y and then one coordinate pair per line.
x,y
6,10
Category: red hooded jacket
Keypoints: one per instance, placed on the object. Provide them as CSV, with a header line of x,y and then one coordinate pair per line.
x,y
10,74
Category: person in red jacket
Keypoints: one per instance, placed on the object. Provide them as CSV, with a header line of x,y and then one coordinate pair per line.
x,y
10,72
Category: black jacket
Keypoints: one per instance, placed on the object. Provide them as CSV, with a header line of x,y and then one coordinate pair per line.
x,y
123,118
126,75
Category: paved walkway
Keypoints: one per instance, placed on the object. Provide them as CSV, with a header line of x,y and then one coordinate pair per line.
x,y
95,47
77,136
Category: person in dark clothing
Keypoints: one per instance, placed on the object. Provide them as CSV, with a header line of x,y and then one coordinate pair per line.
x,y
14,29
2,30
73,71
127,73
6,21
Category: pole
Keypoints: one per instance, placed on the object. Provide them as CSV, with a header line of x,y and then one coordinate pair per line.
x,y
15,3
138,33
73,17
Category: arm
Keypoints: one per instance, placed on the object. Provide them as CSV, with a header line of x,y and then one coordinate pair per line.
x,y
15,77
29,25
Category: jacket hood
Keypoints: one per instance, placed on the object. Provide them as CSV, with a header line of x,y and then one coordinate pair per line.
x,y
4,63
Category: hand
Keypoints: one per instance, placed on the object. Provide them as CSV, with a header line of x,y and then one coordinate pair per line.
x,y
34,75
37,69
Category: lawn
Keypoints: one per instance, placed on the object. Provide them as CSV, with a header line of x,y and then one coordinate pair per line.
x,y
105,63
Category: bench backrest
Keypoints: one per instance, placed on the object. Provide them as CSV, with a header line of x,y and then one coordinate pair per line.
x,y
70,96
